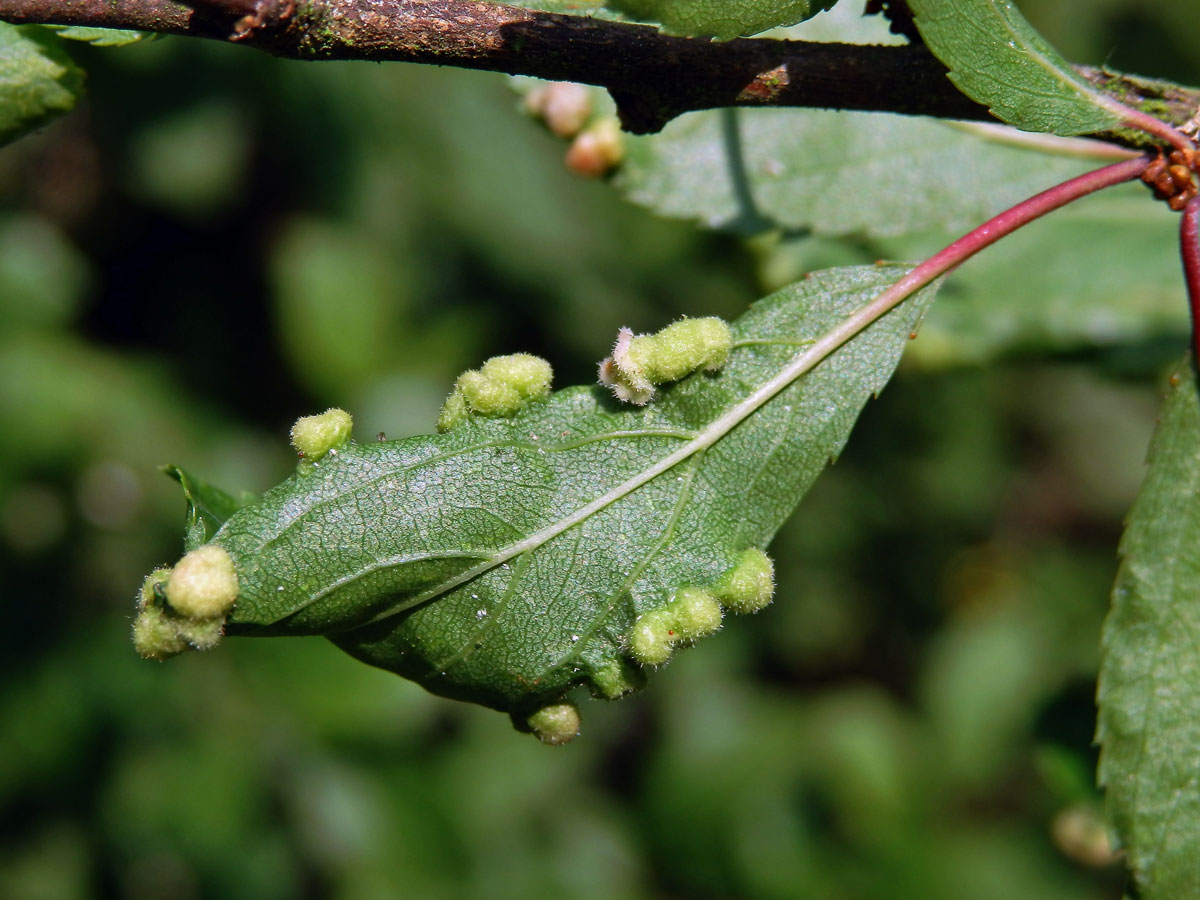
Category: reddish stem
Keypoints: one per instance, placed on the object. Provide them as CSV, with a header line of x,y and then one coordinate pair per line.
x,y
1189,249
1009,221
942,262
1158,128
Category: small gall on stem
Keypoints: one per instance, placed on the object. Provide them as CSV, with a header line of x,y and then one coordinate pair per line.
x,y
563,106
597,150
1173,178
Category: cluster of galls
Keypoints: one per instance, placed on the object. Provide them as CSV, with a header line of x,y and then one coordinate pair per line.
x,y
696,612
691,613
1173,177
184,607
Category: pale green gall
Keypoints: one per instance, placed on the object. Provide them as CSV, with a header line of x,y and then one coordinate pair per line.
x,y
203,585
528,375
615,679
555,724
315,436
156,635
488,396
454,411
652,637
749,585
696,613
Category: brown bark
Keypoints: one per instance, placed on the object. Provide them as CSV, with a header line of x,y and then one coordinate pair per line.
x,y
653,77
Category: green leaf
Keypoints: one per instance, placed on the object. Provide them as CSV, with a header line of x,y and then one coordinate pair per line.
x,y
505,561
102,37
722,19
1149,694
835,173
208,507
38,81
996,58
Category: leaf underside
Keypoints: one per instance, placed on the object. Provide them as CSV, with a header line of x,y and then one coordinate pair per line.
x,y
996,58
505,561
1149,694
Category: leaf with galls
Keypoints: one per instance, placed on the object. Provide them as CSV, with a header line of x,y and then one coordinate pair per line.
x,y
574,541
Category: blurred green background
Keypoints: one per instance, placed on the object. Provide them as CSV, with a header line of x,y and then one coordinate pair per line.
x,y
217,242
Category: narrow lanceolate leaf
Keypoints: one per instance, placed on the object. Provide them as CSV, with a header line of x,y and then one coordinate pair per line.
x,y
722,19
996,58
1149,696
506,560
38,81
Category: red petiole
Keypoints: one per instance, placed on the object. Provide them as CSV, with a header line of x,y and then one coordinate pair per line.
x,y
1189,249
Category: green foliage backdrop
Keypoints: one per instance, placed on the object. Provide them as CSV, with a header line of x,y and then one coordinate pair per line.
x,y
216,242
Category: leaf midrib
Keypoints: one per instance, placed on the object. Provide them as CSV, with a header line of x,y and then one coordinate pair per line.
x,y
802,363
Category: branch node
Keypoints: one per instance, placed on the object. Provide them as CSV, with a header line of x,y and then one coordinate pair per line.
x,y
265,15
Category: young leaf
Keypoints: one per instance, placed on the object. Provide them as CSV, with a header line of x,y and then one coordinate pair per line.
x,y
102,37
507,560
38,81
835,173
722,19
996,58
1149,694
